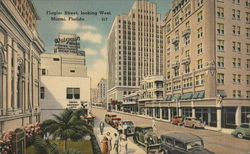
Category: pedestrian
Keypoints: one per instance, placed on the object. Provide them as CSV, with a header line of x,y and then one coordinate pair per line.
x,y
120,128
154,125
104,145
123,145
116,144
101,125
109,142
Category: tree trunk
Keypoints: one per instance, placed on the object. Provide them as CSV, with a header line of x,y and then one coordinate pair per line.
x,y
65,145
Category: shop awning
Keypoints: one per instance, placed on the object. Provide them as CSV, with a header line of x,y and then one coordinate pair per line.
x,y
221,93
168,98
195,96
201,94
187,96
176,97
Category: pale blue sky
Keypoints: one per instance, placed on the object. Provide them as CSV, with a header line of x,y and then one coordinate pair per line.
x,y
93,31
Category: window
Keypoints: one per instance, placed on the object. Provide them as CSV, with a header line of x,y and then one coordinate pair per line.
x,y
239,78
234,93
248,64
248,32
187,53
199,80
247,17
199,32
43,71
176,85
187,39
72,71
238,15
248,79
187,82
220,12
234,78
56,59
248,48
238,30
239,93
199,17
73,93
238,46
234,46
176,72
239,62
233,13
220,78
179,145
247,3
187,11
168,75
199,48
220,28
234,29
234,62
199,3
220,45
220,62
187,68
177,20
42,92
248,94
199,64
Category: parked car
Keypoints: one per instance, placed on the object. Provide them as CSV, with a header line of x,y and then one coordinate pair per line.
x,y
108,117
177,120
193,122
130,128
115,121
182,143
242,131
145,136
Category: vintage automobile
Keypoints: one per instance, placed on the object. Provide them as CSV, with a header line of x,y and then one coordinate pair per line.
x,y
175,142
115,121
108,117
130,128
145,136
242,131
193,122
177,120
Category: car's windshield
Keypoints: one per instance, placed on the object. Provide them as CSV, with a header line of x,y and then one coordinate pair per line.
x,y
198,119
194,144
113,115
128,123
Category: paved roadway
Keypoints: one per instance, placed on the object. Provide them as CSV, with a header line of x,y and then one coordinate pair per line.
x,y
217,142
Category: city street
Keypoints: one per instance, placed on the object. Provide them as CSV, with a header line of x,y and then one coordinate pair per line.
x,y
217,142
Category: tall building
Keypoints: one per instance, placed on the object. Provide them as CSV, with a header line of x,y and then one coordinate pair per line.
x,y
134,50
94,96
102,91
207,52
20,49
64,81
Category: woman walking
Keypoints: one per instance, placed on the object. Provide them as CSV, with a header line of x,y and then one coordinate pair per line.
x,y
123,144
104,145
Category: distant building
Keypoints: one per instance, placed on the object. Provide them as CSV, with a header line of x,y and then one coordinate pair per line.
x,y
64,81
94,96
102,92
134,50
20,49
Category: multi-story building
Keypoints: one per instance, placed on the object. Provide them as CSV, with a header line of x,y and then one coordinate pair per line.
x,y
134,50
94,96
20,49
102,92
64,81
207,61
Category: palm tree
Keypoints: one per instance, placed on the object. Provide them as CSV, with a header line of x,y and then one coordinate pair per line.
x,y
66,126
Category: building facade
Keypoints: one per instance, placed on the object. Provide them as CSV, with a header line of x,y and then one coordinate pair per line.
x,y
207,62
134,50
102,92
94,96
20,49
64,81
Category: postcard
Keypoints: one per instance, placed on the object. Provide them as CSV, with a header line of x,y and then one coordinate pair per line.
x,y
124,76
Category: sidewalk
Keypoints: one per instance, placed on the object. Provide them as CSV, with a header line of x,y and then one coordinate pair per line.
x,y
132,148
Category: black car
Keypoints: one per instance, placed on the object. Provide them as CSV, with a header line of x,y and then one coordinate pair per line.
x,y
182,143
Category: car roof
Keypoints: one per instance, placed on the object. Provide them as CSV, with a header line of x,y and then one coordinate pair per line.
x,y
144,126
116,118
126,121
181,136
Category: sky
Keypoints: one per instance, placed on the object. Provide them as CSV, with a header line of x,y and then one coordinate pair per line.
x,y
93,29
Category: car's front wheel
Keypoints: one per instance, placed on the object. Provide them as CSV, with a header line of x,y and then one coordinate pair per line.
x,y
240,135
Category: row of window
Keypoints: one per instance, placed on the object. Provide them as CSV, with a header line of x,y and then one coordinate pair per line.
x,y
236,46
71,93
235,30
236,79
